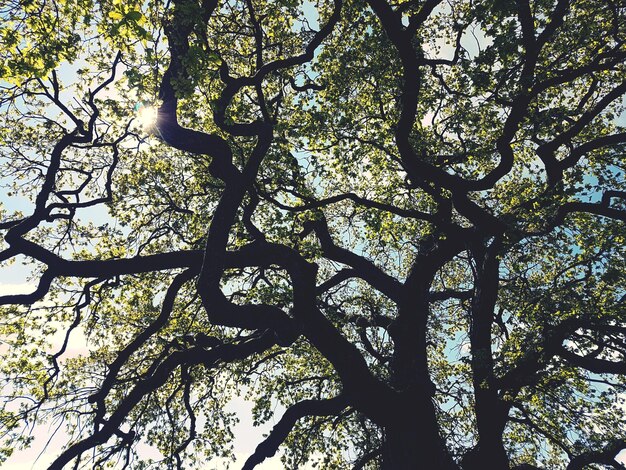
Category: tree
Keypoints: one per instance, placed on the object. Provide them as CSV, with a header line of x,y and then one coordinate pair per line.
x,y
400,224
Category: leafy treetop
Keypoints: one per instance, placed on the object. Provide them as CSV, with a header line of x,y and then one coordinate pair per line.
x,y
396,226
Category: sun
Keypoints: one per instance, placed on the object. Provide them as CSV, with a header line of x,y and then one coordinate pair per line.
x,y
147,116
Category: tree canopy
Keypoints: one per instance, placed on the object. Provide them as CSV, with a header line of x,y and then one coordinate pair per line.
x,y
395,226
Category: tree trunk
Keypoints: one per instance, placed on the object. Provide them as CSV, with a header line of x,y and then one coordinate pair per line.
x,y
412,442
491,456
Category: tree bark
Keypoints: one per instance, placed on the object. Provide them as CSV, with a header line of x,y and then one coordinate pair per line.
x,y
413,441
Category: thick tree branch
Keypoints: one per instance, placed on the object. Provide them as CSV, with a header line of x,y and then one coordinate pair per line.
x,y
606,456
367,270
269,446
194,356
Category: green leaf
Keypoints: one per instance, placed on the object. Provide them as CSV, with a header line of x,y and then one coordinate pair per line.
x,y
134,15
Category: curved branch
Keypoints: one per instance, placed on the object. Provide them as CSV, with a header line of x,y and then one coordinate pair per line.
x,y
170,130
45,281
597,366
139,340
281,430
193,356
361,201
605,456
367,458
367,270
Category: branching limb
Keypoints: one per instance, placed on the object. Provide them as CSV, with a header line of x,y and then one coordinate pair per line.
x,y
606,456
194,356
269,446
367,270
140,340
367,458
